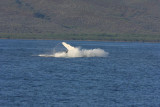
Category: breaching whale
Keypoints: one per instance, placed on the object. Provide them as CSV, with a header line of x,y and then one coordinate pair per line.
x,y
69,47
76,52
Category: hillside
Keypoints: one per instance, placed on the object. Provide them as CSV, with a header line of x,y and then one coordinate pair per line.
x,y
80,16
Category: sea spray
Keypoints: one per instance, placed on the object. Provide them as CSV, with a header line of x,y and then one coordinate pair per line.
x,y
77,52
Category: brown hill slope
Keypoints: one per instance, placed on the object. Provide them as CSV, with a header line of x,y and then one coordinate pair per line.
x,y
80,16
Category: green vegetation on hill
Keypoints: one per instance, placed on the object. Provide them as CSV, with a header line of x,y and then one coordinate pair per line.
x,y
123,20
102,37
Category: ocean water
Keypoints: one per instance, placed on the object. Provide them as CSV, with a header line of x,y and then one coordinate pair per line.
x,y
128,77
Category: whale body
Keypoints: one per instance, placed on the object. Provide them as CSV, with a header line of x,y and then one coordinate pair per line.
x,y
69,47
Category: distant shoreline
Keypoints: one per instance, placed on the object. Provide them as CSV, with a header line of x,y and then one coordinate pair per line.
x,y
83,40
86,37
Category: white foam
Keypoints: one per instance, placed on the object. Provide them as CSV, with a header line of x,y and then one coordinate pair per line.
x,y
77,52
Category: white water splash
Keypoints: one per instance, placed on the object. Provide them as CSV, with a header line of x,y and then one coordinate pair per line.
x,y
77,52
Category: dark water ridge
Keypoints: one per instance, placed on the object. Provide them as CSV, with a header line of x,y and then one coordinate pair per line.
x,y
128,77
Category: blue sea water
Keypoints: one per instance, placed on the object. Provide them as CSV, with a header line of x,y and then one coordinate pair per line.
x,y
128,77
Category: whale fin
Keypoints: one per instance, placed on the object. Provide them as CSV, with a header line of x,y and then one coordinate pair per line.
x,y
69,47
